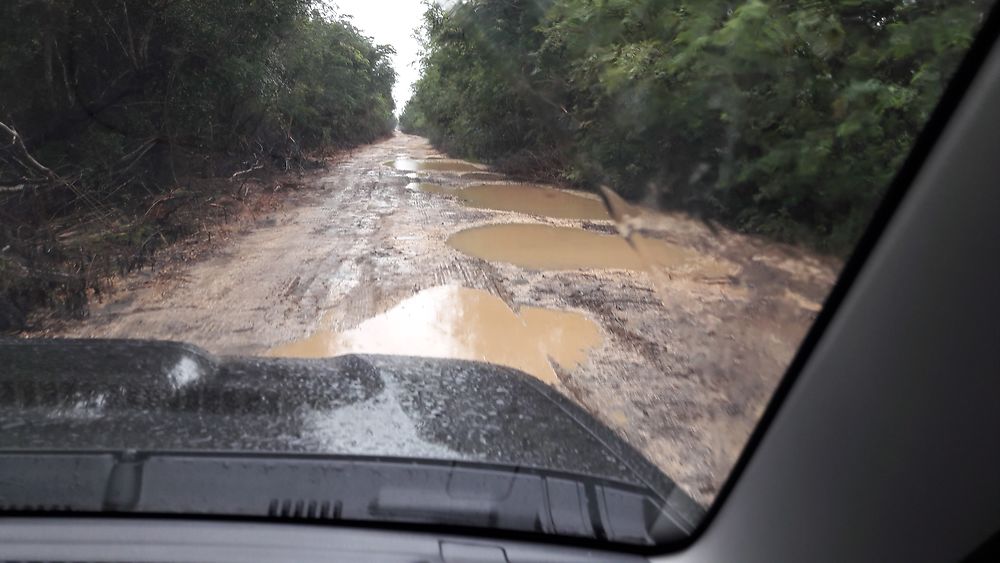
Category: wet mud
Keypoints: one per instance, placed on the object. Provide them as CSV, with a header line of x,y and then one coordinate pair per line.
x,y
675,337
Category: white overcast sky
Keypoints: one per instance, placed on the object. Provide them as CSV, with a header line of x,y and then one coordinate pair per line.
x,y
390,22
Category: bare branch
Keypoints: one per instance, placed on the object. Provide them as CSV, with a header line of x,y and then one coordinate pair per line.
x,y
256,166
16,139
114,32
135,156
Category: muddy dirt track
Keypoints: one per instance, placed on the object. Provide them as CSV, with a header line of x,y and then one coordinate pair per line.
x,y
676,347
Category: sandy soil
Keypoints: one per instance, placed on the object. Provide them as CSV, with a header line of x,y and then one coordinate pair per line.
x,y
685,364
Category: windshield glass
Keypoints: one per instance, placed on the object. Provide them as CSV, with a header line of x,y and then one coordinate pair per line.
x,y
573,237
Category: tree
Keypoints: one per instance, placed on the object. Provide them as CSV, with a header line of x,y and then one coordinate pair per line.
x,y
106,105
786,119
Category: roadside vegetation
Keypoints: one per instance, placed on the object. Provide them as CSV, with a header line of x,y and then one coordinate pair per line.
x,y
123,122
786,119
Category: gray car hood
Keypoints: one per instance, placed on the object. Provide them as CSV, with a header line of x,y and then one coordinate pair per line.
x,y
118,395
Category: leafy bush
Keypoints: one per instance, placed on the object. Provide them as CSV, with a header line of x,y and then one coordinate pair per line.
x,y
787,119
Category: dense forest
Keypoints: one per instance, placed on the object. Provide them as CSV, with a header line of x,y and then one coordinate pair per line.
x,y
113,113
786,119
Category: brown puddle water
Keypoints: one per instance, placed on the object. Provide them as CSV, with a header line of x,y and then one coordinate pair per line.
x,y
527,198
482,176
462,323
433,165
544,247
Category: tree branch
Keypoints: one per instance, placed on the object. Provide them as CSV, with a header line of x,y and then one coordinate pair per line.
x,y
16,139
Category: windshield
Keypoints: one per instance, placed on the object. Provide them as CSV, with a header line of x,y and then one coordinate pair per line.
x,y
571,237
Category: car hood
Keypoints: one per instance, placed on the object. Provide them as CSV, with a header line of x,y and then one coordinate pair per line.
x,y
121,396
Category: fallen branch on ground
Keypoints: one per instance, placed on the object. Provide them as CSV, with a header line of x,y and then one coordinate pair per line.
x,y
256,166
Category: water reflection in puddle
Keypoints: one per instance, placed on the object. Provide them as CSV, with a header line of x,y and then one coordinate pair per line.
x,y
544,247
527,198
435,165
488,176
463,323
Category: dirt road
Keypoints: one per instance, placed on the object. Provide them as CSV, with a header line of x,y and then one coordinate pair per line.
x,y
676,348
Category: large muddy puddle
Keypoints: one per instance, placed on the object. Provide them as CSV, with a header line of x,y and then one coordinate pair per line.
x,y
527,198
545,247
462,323
433,165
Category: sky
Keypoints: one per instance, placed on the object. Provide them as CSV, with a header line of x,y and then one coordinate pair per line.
x,y
390,22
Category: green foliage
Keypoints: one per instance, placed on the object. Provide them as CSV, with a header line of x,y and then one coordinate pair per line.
x,y
338,86
87,83
475,97
787,119
115,102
